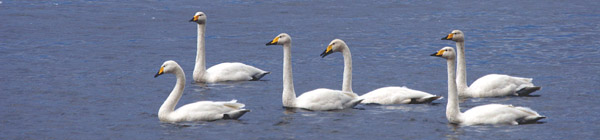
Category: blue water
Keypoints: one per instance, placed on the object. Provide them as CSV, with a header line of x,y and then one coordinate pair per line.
x,y
84,69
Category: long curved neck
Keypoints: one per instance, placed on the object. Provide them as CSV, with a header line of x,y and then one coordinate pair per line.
x,y
347,82
169,105
200,67
289,95
452,109
461,75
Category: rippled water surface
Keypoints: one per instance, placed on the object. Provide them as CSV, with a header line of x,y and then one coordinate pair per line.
x,y
84,69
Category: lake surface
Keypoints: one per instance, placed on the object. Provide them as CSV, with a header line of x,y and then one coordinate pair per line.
x,y
84,69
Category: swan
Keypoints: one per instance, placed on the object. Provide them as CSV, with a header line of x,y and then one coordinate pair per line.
x,y
229,71
484,114
384,95
318,99
198,111
491,85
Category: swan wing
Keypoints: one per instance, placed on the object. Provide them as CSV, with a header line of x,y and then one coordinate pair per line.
x,y
498,114
234,71
498,85
206,110
324,99
394,95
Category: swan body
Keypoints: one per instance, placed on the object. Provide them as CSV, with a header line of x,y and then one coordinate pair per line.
x,y
326,99
318,99
397,95
232,71
385,95
484,114
198,111
492,85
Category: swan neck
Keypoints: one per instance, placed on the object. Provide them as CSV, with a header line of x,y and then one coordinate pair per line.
x,y
452,108
461,75
289,95
200,67
169,105
347,82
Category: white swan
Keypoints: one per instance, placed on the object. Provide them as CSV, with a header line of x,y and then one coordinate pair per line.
x,y
230,71
484,114
198,111
318,99
491,85
385,95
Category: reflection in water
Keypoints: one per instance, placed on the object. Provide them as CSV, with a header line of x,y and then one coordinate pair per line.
x,y
455,128
287,117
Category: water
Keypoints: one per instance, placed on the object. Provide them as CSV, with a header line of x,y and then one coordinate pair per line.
x,y
84,69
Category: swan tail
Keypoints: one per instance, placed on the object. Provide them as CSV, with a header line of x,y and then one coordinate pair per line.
x,y
527,90
235,114
260,75
354,102
424,100
529,120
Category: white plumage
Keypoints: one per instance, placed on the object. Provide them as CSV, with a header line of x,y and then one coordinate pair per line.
x,y
499,114
198,111
492,85
397,95
325,99
230,71
318,99
485,114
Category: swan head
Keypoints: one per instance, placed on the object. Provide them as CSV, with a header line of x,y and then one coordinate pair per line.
x,y
167,67
280,39
199,18
456,35
336,45
446,52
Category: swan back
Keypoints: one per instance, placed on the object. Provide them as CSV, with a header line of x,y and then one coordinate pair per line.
x,y
499,114
325,99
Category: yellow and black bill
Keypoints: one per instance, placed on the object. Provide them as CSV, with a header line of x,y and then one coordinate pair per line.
x,y
273,42
195,19
438,54
448,37
326,52
160,72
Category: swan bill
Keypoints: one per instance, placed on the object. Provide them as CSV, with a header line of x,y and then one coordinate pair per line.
x,y
448,37
326,52
273,42
160,72
438,54
195,19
